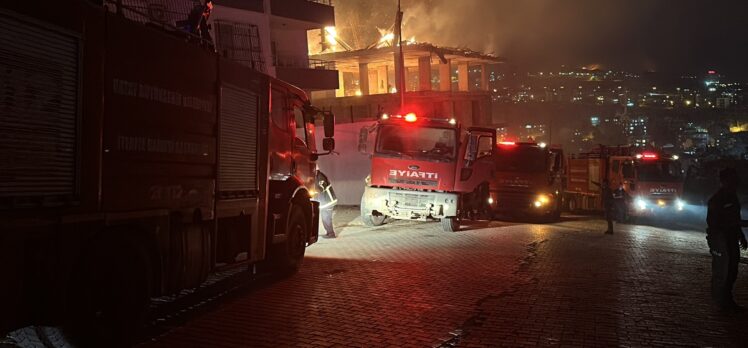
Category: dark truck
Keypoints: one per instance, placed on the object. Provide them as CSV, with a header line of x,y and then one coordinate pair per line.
x,y
135,163
528,180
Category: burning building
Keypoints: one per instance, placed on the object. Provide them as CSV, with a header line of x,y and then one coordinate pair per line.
x,y
440,82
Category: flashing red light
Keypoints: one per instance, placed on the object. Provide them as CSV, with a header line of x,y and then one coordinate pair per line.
x,y
411,117
507,143
649,156
712,72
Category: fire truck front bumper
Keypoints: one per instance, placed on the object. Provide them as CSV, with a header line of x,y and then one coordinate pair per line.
x,y
411,205
653,207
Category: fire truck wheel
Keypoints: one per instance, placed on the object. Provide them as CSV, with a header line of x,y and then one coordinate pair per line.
x,y
373,220
289,255
370,219
451,224
110,298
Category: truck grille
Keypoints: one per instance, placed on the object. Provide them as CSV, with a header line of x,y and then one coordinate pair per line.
x,y
430,183
514,199
411,200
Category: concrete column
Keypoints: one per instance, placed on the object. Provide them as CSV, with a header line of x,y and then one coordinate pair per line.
x,y
445,76
383,80
373,78
398,74
406,76
484,77
363,78
340,92
424,73
463,82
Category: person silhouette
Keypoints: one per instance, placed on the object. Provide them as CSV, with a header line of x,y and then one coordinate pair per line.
x,y
327,202
608,205
725,238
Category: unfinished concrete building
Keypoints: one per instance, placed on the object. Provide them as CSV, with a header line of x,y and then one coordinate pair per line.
x,y
440,82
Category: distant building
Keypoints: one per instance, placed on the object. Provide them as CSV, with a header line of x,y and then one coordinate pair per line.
x,y
723,102
636,131
533,132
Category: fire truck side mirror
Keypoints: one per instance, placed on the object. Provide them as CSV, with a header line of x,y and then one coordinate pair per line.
x,y
328,144
329,124
363,139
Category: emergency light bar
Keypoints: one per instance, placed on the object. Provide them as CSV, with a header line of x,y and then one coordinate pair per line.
x,y
514,143
412,117
647,156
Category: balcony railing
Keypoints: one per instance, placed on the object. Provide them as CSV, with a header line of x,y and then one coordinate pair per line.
x,y
303,62
323,2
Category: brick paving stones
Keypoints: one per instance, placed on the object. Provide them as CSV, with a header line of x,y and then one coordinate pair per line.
x,y
642,287
499,284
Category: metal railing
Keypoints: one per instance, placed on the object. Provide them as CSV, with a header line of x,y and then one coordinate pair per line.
x,y
322,64
303,62
323,2
180,17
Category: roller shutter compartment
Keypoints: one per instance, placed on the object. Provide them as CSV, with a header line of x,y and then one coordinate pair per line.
x,y
238,167
39,110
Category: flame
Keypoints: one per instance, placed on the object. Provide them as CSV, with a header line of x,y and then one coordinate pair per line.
x,y
386,39
330,35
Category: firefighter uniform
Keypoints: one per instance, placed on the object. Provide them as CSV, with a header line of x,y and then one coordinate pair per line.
x,y
724,234
621,203
327,201
608,205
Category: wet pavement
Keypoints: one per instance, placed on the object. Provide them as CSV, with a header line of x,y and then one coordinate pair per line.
x,y
408,284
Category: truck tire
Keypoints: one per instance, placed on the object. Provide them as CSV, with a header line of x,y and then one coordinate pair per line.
x,y
368,218
287,256
109,303
450,224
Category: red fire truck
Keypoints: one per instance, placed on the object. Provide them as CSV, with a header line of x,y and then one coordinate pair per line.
x,y
136,163
652,181
426,169
529,179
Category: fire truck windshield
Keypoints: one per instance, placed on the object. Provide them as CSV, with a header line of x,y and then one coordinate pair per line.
x,y
435,144
521,159
663,171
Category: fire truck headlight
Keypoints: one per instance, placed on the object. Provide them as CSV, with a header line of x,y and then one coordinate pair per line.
x,y
542,200
490,200
679,204
640,204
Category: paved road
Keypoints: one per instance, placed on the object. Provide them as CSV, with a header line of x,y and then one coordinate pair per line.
x,y
409,284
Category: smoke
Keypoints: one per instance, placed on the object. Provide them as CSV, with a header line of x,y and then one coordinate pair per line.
x,y
642,35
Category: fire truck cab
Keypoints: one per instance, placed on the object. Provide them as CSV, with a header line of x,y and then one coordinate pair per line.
x,y
528,179
426,169
650,183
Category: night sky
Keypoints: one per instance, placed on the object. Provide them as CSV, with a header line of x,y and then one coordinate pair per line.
x,y
669,36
